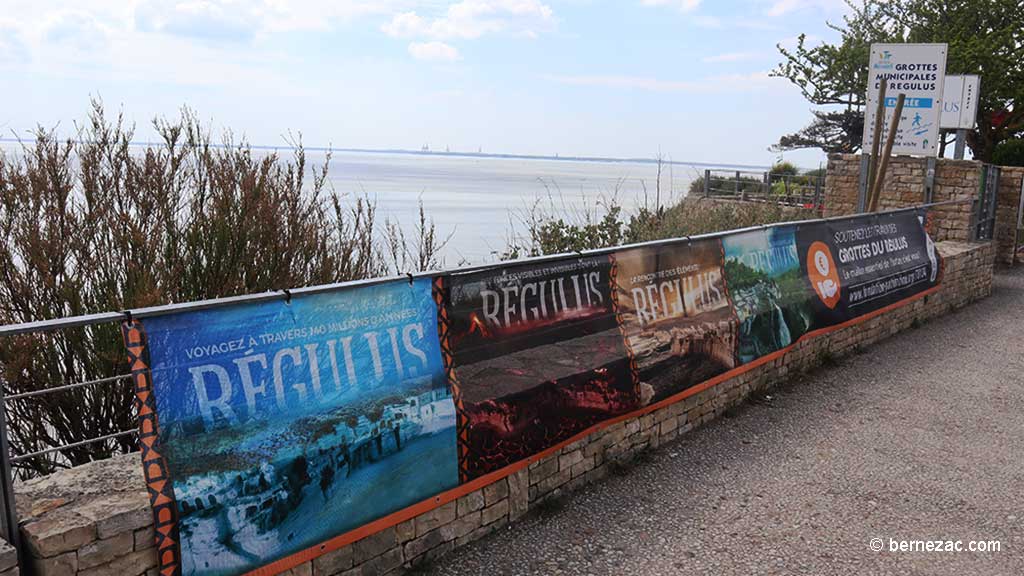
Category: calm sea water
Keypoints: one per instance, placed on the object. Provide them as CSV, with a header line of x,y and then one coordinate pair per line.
x,y
481,201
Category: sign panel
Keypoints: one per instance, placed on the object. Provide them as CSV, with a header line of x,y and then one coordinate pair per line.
x,y
917,71
860,265
960,102
285,424
676,315
537,357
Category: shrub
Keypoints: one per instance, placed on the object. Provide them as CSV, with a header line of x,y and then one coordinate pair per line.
x,y
92,225
547,231
784,167
1009,153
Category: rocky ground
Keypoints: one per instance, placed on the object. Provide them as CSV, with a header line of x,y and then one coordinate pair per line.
x,y
918,438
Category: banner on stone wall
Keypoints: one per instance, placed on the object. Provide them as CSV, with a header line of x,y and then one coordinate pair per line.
x,y
286,424
770,293
676,316
536,355
858,265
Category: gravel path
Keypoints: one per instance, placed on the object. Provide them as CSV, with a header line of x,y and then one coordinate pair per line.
x,y
919,438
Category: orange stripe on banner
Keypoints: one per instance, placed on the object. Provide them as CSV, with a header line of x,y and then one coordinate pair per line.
x,y
160,494
474,485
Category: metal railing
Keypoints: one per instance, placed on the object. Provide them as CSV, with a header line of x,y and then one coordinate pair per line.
x,y
802,190
8,512
984,212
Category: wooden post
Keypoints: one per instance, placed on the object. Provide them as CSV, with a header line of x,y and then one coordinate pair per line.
x,y
880,177
876,142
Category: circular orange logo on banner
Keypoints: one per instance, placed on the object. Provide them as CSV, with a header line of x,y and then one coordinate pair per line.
x,y
821,270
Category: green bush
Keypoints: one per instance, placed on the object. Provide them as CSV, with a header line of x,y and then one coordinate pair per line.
x,y
549,232
1009,153
784,167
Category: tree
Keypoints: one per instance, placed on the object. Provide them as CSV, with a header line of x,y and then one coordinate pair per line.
x,y
1009,153
985,37
834,75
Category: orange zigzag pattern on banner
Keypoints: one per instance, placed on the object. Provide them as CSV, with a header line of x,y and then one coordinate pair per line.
x,y
154,467
462,423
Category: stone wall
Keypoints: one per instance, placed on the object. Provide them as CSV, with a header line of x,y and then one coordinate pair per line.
x,y
904,186
1008,203
95,519
954,180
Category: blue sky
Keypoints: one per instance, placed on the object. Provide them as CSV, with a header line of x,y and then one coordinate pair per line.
x,y
574,77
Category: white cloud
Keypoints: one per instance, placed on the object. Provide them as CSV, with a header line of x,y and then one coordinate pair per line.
x,y
112,39
198,19
405,25
733,82
731,57
471,19
245,19
13,49
219,20
683,5
433,51
783,7
716,23
75,29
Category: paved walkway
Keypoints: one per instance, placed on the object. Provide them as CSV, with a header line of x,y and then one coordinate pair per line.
x,y
919,438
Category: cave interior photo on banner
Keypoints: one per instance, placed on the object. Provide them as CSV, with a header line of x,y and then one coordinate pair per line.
x,y
538,357
676,315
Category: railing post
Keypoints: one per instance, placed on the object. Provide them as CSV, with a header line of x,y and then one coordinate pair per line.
x,y
736,185
9,511
707,182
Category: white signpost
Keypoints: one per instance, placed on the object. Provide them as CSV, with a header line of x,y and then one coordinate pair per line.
x,y
918,71
960,102
960,108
